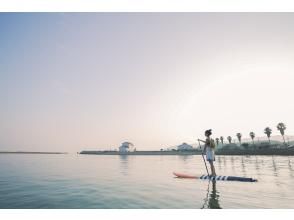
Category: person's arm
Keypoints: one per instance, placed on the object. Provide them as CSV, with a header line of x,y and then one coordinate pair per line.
x,y
202,141
204,148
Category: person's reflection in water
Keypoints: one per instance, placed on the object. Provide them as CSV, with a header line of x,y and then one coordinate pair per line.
x,y
212,199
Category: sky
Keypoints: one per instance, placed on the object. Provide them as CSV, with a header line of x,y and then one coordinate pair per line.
x,y
74,81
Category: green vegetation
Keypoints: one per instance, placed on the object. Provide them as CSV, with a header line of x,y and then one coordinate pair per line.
x,y
268,133
282,127
260,146
222,139
229,139
252,135
239,135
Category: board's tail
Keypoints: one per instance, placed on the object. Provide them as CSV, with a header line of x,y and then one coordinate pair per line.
x,y
181,175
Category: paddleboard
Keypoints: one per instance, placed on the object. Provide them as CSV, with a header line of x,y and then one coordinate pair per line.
x,y
221,178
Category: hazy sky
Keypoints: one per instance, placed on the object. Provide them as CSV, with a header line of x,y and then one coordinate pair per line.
x,y
93,80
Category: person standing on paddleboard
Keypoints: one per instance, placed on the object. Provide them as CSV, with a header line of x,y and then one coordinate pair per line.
x,y
209,148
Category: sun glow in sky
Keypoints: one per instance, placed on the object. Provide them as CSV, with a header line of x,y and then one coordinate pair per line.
x,y
78,81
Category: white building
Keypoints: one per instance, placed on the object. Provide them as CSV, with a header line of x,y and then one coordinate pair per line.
x,y
126,147
184,146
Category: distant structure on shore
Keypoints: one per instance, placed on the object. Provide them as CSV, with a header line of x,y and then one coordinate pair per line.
x,y
267,145
126,147
184,146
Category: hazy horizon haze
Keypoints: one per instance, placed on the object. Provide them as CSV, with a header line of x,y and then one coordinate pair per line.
x,y
72,81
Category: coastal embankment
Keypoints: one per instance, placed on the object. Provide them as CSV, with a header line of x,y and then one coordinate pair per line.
x,y
142,153
282,152
260,152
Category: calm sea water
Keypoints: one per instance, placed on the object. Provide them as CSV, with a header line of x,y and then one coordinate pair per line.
x,y
89,181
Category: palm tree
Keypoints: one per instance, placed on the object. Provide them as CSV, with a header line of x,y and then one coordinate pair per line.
x,y
229,139
268,132
282,127
252,135
222,139
217,141
239,135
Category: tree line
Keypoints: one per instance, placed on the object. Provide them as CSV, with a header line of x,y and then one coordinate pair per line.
x,y
268,131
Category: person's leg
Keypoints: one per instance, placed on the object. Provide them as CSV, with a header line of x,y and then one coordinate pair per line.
x,y
214,173
212,168
211,165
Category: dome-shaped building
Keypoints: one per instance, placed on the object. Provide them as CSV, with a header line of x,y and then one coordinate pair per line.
x,y
184,146
126,147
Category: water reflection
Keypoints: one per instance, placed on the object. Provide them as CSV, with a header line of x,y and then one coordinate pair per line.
x,y
274,166
243,166
141,182
219,162
257,166
124,164
185,158
290,167
212,198
232,159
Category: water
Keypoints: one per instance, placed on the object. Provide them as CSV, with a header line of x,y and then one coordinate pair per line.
x,y
89,181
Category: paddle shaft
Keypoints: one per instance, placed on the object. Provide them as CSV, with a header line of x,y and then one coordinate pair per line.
x,y
203,158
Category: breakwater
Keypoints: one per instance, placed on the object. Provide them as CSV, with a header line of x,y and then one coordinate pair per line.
x,y
142,153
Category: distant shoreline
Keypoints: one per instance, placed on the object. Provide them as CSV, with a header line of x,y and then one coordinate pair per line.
x,y
258,152
28,152
141,153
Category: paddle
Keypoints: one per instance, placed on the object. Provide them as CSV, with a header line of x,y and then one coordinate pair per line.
x,y
203,158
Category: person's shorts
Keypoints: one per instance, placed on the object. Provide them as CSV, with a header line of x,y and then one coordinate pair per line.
x,y
210,160
210,156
